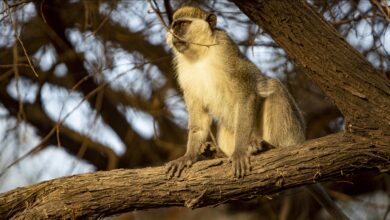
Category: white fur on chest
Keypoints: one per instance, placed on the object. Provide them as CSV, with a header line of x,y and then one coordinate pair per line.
x,y
206,81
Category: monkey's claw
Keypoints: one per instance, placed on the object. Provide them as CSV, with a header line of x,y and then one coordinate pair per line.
x,y
241,165
175,167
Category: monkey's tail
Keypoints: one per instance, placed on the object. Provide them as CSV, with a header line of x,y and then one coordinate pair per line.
x,y
322,197
283,126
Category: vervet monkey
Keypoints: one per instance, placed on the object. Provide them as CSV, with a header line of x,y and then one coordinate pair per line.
x,y
219,82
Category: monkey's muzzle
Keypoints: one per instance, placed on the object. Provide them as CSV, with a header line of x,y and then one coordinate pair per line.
x,y
180,46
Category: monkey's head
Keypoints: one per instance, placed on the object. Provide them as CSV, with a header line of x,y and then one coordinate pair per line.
x,y
192,29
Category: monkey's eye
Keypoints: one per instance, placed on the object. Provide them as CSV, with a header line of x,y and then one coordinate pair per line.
x,y
181,23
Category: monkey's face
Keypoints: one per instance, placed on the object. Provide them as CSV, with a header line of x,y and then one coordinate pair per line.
x,y
180,29
191,35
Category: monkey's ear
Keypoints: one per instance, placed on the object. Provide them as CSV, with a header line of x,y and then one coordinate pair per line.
x,y
212,20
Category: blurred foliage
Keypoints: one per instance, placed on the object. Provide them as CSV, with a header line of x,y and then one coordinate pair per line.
x,y
89,85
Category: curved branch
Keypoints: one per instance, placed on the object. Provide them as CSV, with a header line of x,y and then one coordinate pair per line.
x,y
344,75
361,94
206,183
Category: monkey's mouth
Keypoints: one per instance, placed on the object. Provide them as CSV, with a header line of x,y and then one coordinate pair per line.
x,y
180,46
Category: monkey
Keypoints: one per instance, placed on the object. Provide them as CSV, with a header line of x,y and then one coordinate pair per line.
x,y
218,82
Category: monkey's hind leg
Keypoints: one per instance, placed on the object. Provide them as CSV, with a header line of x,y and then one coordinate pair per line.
x,y
282,122
225,140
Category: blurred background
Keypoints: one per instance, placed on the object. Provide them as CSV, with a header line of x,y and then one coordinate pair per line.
x,y
89,85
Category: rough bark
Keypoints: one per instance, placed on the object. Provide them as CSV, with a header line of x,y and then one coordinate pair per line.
x,y
345,76
207,183
361,94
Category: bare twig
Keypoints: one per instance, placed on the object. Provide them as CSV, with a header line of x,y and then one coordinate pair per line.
x,y
27,56
12,65
41,10
9,6
21,114
16,34
103,22
383,7
61,121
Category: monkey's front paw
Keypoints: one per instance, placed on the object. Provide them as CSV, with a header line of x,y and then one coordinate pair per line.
x,y
175,167
240,164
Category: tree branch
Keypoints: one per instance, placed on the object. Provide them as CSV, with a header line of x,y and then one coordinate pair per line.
x,y
206,183
360,93
316,47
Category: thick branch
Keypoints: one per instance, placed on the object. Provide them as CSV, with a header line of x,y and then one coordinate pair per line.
x,y
361,94
206,183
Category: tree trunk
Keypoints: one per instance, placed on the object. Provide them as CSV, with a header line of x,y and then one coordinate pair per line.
x,y
361,94
346,77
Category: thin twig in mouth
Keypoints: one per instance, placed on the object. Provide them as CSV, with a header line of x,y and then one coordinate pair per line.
x,y
157,11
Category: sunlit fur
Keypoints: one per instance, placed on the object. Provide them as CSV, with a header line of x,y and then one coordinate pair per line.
x,y
190,12
219,77
279,107
218,81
